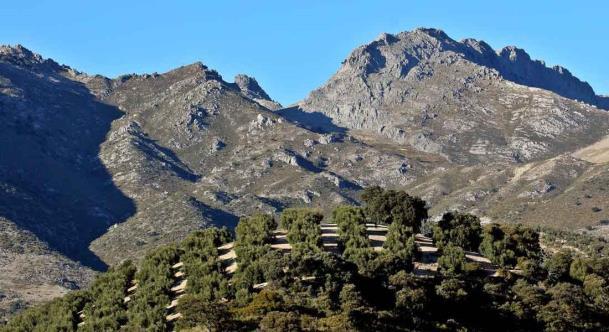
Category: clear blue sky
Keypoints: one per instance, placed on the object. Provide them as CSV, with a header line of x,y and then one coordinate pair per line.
x,y
292,47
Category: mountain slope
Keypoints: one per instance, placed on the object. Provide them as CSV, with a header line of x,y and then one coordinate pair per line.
x,y
193,149
458,99
98,170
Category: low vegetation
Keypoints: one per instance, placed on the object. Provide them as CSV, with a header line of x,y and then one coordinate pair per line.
x,y
358,287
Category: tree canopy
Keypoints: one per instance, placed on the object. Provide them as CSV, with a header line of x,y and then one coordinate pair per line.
x,y
359,288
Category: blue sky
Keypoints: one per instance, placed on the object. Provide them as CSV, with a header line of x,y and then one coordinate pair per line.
x,y
292,47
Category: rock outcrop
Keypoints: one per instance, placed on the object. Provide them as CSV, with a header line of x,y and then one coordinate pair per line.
x,y
251,89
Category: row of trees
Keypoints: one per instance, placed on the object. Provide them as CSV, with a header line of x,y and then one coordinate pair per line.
x,y
146,310
60,314
254,236
107,311
303,228
201,265
358,288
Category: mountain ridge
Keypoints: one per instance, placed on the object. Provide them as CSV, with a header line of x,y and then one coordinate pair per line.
x,y
411,88
506,61
100,170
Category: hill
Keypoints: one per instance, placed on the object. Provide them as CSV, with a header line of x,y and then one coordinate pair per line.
x,y
367,270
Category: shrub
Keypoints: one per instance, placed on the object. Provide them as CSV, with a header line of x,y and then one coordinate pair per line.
x,y
558,266
277,321
504,245
197,312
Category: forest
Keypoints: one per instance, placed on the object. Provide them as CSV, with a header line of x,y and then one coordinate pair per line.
x,y
382,266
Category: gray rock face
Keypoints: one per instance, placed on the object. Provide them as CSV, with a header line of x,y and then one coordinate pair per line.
x,y
249,86
251,89
24,58
461,100
516,65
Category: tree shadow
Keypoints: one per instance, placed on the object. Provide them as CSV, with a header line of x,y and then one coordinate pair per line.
x,y
52,181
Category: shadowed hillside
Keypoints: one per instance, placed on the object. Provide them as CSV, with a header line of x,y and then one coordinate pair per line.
x,y
53,182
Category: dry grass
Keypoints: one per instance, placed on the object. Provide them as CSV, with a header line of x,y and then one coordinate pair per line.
x,y
597,153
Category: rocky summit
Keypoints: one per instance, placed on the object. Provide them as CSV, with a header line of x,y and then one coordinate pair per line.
x,y
94,170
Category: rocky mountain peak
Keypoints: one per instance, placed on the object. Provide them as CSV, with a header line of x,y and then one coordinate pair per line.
x,y
196,72
197,69
424,89
19,55
431,32
416,52
514,54
252,90
479,46
19,52
386,38
515,64
396,54
250,87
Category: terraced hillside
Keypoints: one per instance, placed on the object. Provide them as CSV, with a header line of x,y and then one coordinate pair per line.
x,y
349,274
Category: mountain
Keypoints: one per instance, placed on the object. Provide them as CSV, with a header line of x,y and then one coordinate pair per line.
x,y
95,170
98,170
496,133
461,100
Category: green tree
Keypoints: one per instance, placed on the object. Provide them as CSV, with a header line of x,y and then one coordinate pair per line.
x,y
525,303
410,301
197,312
255,230
146,310
305,232
566,311
399,238
289,215
452,261
506,245
462,230
387,206
351,223
253,238
453,290
558,266
203,243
